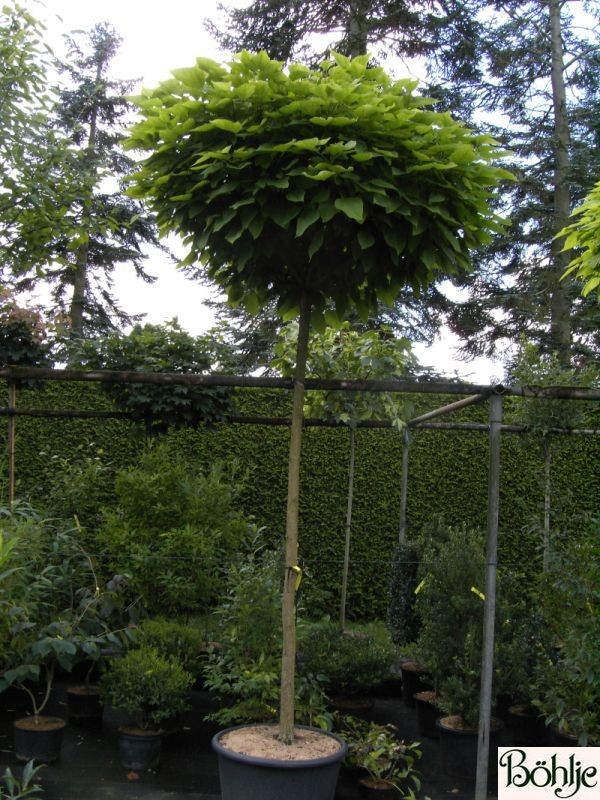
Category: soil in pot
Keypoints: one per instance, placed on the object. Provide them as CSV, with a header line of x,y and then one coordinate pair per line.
x,y
255,765
139,750
377,789
84,705
415,678
38,738
458,748
525,726
427,714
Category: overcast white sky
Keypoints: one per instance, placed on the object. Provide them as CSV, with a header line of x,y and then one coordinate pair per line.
x,y
158,37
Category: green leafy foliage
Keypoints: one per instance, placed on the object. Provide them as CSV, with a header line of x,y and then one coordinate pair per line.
x,y
450,608
158,348
12,788
345,186
55,611
173,531
173,639
402,618
532,368
348,354
23,339
584,233
447,476
350,662
379,750
80,486
567,673
244,671
148,686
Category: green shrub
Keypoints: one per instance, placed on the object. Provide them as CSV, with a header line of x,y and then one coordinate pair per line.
x,y
350,662
567,675
174,531
245,671
450,608
173,639
146,685
402,618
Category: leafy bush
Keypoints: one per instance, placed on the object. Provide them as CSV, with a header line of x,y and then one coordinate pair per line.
x,y
245,671
146,685
80,485
350,662
402,618
158,348
55,611
567,677
451,612
174,531
174,640
379,751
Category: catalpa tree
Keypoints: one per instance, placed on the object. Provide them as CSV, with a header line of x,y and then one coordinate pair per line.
x,y
325,189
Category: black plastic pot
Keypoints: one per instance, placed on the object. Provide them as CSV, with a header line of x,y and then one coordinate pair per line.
x,y
377,791
415,678
427,714
561,738
139,750
84,705
525,726
267,779
458,749
41,741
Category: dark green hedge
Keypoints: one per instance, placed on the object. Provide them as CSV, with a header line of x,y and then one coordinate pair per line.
x,y
448,476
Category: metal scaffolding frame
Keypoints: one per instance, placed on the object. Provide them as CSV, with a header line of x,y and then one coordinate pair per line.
x,y
474,394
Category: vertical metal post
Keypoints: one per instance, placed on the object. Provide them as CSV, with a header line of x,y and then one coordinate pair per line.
x,y
348,535
404,485
12,402
487,655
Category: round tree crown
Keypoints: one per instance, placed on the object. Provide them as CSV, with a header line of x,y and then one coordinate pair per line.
x,y
337,184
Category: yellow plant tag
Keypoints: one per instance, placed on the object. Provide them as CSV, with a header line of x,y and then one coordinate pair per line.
x,y
298,572
420,586
479,594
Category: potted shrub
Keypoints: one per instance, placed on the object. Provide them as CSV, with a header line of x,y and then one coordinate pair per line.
x,y
388,763
328,213
451,611
150,688
243,672
174,639
567,675
352,663
49,605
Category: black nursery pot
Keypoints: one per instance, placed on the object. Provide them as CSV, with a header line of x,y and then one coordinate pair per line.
x,y
84,705
525,726
415,678
458,748
139,750
39,742
268,779
427,714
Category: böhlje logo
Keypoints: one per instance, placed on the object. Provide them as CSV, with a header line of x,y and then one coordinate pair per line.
x,y
548,773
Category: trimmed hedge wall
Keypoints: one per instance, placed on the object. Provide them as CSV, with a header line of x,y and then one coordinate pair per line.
x,y
447,475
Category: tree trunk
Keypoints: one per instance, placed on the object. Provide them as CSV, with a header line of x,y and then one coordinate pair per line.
x,y
288,661
560,306
346,567
357,27
76,312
